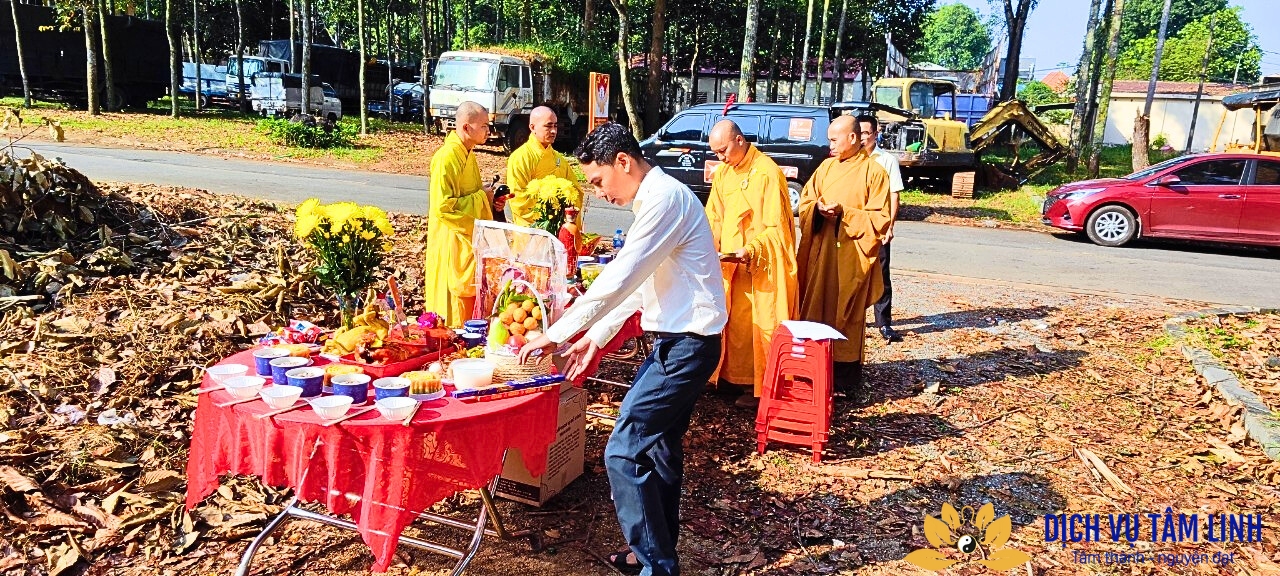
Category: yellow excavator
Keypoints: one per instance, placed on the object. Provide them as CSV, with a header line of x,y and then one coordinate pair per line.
x,y
947,150
1266,121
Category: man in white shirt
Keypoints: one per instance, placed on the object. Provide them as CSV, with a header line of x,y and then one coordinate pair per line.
x,y
868,131
669,268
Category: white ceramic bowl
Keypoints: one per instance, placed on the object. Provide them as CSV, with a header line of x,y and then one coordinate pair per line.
x,y
392,382
243,387
350,379
331,407
280,395
396,407
469,373
221,372
291,362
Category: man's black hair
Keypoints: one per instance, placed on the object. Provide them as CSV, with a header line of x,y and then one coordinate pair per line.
x,y
603,144
867,118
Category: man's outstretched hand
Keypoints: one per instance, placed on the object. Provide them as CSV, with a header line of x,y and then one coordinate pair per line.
x,y
581,355
532,348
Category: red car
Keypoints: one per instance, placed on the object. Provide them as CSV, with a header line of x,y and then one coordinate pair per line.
x,y
1220,197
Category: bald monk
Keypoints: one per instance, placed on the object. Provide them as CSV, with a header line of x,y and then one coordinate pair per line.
x,y
749,210
844,216
458,199
536,159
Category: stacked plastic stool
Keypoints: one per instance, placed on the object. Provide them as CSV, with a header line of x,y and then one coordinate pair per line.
x,y
796,401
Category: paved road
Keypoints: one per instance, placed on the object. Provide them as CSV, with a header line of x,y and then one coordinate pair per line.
x,y
1181,271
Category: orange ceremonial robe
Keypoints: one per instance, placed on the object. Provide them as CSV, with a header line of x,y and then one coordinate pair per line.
x,y
750,207
457,201
839,272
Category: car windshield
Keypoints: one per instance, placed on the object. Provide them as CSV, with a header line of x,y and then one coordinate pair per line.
x,y
1150,170
251,67
460,74
889,96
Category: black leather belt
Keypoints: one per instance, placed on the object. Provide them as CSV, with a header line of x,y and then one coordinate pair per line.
x,y
685,335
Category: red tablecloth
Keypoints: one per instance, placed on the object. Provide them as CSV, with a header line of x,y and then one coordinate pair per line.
x,y
381,473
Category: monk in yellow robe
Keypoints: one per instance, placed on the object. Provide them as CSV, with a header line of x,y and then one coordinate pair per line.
x,y
458,199
844,216
536,159
749,210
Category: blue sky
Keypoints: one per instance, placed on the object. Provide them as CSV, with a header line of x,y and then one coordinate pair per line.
x,y
1055,30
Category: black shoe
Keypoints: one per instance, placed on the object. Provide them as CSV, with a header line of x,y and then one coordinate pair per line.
x,y
889,334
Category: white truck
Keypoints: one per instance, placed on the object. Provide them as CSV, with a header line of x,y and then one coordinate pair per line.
x,y
252,65
509,87
275,94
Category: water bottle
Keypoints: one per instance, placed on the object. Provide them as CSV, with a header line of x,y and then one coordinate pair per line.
x,y
617,239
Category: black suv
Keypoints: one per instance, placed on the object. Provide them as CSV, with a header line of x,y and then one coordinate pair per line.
x,y
794,136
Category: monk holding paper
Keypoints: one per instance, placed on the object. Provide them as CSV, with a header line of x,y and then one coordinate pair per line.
x,y
749,210
844,215
458,199
533,160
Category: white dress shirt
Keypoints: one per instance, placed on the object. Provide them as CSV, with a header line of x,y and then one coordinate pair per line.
x,y
668,267
890,164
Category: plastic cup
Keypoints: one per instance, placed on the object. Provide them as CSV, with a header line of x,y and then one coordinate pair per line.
x,y
473,339
280,395
354,386
589,273
280,366
390,387
221,372
395,407
262,359
476,326
242,387
310,379
331,407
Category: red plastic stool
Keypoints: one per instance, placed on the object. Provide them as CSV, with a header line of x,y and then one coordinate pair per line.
x,y
796,401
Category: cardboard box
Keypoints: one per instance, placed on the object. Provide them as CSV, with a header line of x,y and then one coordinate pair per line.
x,y
564,456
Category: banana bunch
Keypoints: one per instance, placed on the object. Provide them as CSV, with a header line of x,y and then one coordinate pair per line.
x,y
366,328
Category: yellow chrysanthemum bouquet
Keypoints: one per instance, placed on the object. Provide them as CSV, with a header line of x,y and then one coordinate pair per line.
x,y
351,242
552,195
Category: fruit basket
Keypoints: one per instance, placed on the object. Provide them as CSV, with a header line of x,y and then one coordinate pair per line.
x,y
519,314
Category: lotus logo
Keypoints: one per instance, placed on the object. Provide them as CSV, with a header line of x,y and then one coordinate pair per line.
x,y
968,533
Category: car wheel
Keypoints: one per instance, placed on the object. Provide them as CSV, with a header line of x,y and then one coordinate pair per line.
x,y
1111,226
793,190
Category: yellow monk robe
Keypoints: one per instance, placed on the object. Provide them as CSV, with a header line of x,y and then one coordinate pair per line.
x,y
457,201
750,207
530,162
839,272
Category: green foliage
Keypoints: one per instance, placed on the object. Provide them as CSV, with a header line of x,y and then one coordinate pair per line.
x,y
1142,17
341,135
1035,93
1184,53
1160,141
954,37
574,58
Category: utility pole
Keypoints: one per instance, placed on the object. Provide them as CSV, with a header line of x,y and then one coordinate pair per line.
x,y
1142,126
1204,69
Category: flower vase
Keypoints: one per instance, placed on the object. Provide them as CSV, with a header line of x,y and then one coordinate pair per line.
x,y
568,236
347,308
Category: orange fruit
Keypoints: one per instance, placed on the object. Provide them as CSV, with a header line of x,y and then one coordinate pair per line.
x,y
536,313
512,307
528,305
531,323
517,329
519,315
505,318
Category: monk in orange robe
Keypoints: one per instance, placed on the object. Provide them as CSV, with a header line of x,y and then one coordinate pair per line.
x,y
844,215
749,210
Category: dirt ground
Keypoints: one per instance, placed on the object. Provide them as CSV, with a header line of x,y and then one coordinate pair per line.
x,y
1022,378
997,394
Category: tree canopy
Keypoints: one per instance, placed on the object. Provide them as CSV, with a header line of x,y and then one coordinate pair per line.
x,y
1142,17
1233,44
954,37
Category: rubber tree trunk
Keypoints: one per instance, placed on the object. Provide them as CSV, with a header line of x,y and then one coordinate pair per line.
x,y
364,59
175,56
747,76
771,87
293,36
195,49
1104,92
1142,126
243,100
306,57
91,58
837,83
624,79
1015,18
588,20
22,63
113,102
424,80
804,55
653,84
822,52
693,65
1084,77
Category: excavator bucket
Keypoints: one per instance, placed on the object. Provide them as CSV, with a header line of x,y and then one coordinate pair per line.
x,y
1020,123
